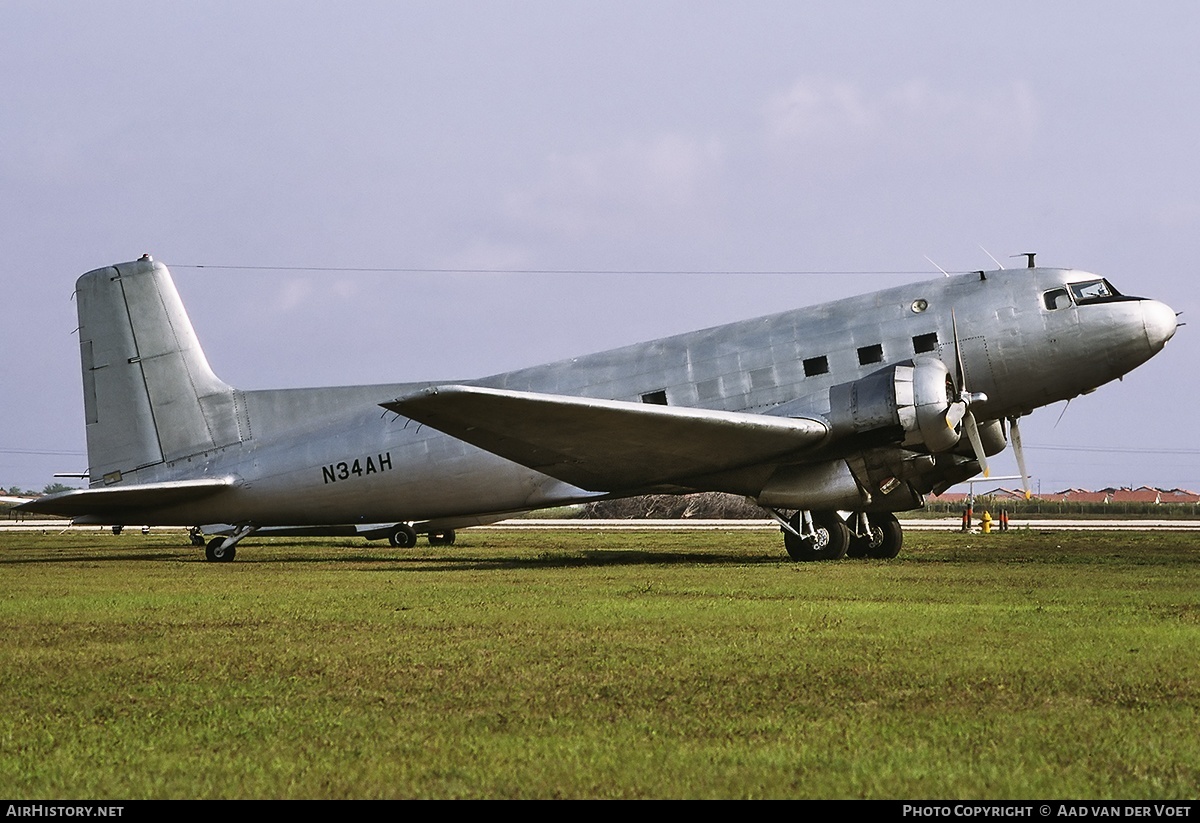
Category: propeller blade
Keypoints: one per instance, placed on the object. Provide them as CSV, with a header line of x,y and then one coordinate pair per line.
x,y
976,441
1020,453
955,413
960,373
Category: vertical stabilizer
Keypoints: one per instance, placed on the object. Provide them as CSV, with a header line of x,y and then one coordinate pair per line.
x,y
148,392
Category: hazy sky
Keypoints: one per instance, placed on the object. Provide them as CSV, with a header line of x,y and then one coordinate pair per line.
x,y
621,136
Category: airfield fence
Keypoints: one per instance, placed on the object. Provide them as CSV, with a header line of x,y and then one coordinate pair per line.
x,y
718,506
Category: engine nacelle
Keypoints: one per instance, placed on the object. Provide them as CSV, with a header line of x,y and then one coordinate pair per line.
x,y
910,399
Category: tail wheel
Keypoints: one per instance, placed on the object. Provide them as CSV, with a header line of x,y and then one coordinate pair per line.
x,y
829,540
215,554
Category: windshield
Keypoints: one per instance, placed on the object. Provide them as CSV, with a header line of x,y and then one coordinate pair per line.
x,y
1091,291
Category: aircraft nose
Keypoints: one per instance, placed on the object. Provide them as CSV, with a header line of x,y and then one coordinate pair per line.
x,y
1159,321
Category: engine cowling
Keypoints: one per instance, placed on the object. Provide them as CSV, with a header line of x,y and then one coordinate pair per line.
x,y
908,399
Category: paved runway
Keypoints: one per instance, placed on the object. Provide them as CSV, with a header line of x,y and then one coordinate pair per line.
x,y
949,524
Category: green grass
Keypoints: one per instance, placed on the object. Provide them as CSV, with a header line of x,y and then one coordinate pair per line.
x,y
561,664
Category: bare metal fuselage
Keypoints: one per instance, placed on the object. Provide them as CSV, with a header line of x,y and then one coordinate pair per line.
x,y
310,457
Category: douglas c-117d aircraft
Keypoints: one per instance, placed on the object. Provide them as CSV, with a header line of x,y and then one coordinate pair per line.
x,y
831,417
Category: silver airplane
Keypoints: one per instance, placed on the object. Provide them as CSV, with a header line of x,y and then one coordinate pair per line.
x,y
831,417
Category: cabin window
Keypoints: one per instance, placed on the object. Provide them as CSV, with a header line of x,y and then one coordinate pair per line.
x,y
816,365
1056,299
870,354
657,398
924,343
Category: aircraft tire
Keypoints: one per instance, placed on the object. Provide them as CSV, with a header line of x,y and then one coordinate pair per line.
x,y
214,554
861,545
837,535
797,548
445,538
403,536
891,536
832,538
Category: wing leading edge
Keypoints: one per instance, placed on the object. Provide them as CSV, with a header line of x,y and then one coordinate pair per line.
x,y
607,445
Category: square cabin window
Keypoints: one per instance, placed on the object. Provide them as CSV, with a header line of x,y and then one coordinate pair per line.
x,y
816,365
870,354
923,343
1056,299
656,398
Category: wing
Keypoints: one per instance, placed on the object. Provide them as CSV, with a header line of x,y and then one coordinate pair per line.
x,y
607,445
117,499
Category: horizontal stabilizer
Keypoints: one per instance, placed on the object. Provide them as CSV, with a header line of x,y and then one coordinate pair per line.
x,y
607,445
117,499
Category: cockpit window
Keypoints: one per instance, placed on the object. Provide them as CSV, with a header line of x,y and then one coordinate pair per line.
x,y
1092,291
1056,299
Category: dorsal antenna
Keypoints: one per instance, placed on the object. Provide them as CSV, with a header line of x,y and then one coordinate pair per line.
x,y
936,266
989,254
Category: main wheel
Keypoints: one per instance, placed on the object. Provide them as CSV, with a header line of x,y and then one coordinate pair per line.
x,y
445,538
403,536
861,544
890,538
215,554
829,542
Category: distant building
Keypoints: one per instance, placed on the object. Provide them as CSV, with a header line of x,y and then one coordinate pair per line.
x,y
1142,494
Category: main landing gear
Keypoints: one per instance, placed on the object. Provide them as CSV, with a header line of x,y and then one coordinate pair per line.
x,y
878,535
824,535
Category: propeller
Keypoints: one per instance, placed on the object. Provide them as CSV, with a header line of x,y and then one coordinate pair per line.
x,y
1020,454
960,408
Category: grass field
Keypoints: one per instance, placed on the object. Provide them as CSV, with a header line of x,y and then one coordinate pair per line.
x,y
561,664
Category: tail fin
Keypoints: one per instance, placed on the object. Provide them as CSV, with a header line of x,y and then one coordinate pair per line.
x,y
148,392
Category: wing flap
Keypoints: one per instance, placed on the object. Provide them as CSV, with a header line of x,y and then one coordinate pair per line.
x,y
607,445
117,499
